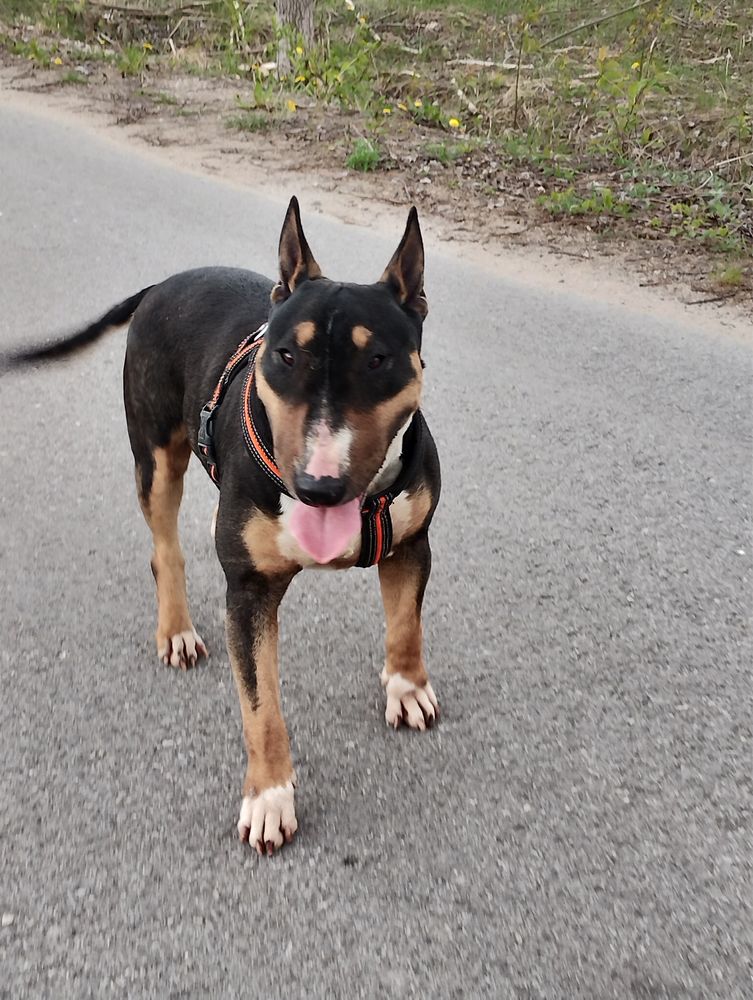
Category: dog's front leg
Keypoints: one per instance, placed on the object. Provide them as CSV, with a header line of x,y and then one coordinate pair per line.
x,y
267,814
403,577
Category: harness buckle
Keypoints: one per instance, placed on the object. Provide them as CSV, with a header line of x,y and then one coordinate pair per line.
x,y
204,435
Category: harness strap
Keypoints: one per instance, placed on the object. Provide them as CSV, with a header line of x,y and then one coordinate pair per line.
x,y
254,442
248,346
376,529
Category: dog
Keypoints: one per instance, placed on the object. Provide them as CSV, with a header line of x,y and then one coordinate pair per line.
x,y
301,398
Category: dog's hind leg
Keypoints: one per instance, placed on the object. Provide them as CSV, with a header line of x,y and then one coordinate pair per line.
x,y
159,482
160,446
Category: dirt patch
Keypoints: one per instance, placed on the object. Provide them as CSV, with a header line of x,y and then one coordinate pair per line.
x,y
184,119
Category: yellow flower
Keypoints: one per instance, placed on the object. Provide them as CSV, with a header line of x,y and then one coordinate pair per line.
x,y
361,19
148,47
300,79
291,105
402,106
418,103
453,123
57,61
386,111
636,65
299,50
602,53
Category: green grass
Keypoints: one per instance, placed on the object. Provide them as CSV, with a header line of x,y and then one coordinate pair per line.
x,y
447,152
132,60
160,97
730,277
32,50
601,201
12,9
73,77
365,156
249,121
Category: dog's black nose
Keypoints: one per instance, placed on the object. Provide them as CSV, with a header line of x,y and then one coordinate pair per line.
x,y
323,492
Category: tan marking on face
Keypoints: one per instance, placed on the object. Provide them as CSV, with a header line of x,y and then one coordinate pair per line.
x,y
287,424
264,731
361,336
373,431
261,536
304,333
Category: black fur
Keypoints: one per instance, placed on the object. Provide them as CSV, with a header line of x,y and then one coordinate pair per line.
x,y
116,316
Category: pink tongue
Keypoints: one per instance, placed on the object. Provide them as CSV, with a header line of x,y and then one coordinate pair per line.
x,y
324,532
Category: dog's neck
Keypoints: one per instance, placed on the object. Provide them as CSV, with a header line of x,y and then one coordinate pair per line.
x,y
392,463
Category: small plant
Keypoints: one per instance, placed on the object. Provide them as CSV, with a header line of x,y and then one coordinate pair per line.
x,y
730,277
265,96
342,73
162,98
365,156
445,153
438,151
73,76
235,23
601,201
64,16
132,60
249,121
32,51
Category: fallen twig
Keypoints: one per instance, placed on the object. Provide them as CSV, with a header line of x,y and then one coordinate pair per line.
x,y
488,64
714,298
597,20
146,12
732,159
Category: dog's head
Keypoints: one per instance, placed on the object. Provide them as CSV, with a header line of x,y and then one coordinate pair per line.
x,y
340,372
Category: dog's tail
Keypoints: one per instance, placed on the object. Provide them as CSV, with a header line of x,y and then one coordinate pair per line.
x,y
116,316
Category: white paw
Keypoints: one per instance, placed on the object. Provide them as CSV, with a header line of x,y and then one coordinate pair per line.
x,y
268,819
416,706
213,526
182,649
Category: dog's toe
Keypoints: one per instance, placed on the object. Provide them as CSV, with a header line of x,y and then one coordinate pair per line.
x,y
182,649
415,706
267,820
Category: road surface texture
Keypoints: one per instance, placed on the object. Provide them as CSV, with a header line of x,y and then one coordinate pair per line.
x,y
579,824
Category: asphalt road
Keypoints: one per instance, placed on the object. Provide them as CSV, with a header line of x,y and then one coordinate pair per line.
x,y
578,826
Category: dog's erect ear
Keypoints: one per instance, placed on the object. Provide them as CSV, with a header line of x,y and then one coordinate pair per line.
x,y
405,272
297,263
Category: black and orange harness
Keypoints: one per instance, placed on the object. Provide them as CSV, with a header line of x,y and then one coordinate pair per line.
x,y
376,520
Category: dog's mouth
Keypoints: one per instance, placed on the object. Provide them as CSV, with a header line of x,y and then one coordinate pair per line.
x,y
325,533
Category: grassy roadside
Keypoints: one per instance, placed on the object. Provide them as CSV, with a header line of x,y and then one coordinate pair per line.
x,y
629,118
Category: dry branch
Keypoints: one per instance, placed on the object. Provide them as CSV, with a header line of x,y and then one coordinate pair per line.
x,y
488,63
195,7
597,20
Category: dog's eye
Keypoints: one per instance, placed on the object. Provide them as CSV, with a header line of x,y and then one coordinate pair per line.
x,y
375,361
287,357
